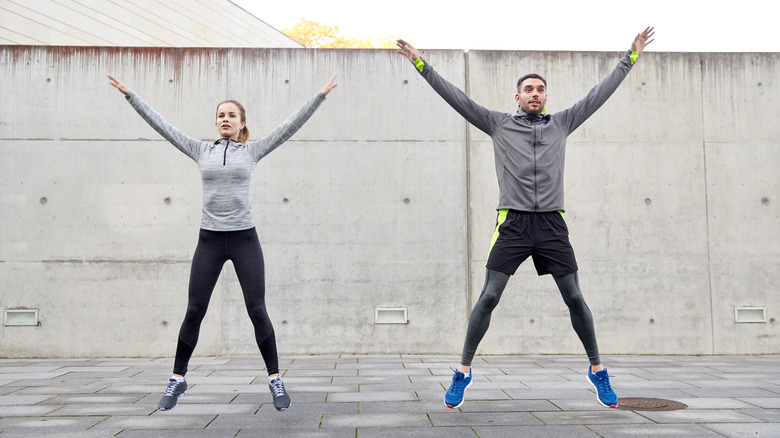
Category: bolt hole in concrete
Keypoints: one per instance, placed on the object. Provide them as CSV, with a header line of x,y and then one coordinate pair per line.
x,y
648,201
649,404
765,200
167,201
43,200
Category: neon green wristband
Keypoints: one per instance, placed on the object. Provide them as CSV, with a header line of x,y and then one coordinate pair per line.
x,y
419,63
634,56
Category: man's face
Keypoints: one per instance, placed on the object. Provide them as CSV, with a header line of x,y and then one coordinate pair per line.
x,y
532,96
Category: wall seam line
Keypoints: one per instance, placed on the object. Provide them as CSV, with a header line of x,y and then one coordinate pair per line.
x,y
707,207
469,215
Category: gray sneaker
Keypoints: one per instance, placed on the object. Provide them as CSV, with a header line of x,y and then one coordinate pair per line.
x,y
281,399
172,393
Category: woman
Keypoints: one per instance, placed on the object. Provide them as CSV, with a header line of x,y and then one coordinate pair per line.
x,y
227,228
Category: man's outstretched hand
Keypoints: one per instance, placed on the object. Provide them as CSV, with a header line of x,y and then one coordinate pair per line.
x,y
408,50
643,39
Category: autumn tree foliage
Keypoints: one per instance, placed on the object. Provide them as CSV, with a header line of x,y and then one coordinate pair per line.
x,y
315,35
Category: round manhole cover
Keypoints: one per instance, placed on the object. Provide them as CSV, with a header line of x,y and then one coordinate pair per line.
x,y
649,404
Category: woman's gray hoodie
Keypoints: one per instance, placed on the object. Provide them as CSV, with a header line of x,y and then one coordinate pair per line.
x,y
225,165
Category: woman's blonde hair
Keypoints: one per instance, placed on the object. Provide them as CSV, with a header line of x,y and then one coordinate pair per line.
x,y
243,134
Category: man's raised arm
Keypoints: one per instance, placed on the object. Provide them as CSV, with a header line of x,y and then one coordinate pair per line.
x,y
473,112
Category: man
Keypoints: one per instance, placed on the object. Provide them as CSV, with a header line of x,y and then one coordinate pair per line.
x,y
529,152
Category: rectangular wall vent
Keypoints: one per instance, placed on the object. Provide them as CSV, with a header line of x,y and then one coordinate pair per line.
x,y
20,317
749,314
390,315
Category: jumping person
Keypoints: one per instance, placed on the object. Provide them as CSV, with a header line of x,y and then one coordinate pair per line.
x,y
227,229
529,153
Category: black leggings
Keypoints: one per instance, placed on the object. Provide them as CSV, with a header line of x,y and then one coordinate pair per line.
x,y
495,282
213,250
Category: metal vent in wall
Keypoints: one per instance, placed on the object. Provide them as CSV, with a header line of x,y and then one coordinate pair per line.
x,y
390,315
20,317
749,314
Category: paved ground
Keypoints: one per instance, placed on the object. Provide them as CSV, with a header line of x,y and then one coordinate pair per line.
x,y
389,396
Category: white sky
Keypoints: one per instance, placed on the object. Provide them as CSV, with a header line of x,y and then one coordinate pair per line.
x,y
595,25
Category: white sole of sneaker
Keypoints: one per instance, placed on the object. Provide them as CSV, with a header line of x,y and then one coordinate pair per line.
x,y
177,403
462,401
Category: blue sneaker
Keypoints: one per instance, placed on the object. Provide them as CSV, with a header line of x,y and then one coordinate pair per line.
x,y
604,393
454,396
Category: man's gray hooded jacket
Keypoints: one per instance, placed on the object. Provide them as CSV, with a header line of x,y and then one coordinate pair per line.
x,y
529,148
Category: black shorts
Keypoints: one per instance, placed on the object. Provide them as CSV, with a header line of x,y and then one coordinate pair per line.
x,y
543,236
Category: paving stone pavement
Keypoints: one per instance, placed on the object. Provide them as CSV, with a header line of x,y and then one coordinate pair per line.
x,y
378,396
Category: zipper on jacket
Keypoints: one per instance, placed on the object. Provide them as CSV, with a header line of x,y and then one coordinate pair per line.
x,y
536,193
224,157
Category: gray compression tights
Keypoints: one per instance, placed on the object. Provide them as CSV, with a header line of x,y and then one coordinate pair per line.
x,y
495,282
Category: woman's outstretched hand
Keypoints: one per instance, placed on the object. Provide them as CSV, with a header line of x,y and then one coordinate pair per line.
x,y
118,84
329,86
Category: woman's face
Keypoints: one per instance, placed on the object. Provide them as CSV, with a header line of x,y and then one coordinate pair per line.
x,y
229,120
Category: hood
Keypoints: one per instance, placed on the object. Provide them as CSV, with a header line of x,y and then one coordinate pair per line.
x,y
532,117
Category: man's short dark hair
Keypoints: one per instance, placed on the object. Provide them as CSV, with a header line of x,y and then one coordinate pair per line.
x,y
530,76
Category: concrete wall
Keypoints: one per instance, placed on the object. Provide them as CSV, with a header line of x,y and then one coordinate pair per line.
x,y
386,198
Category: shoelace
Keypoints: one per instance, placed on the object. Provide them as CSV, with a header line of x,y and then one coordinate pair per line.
x,y
277,387
171,387
457,384
604,384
